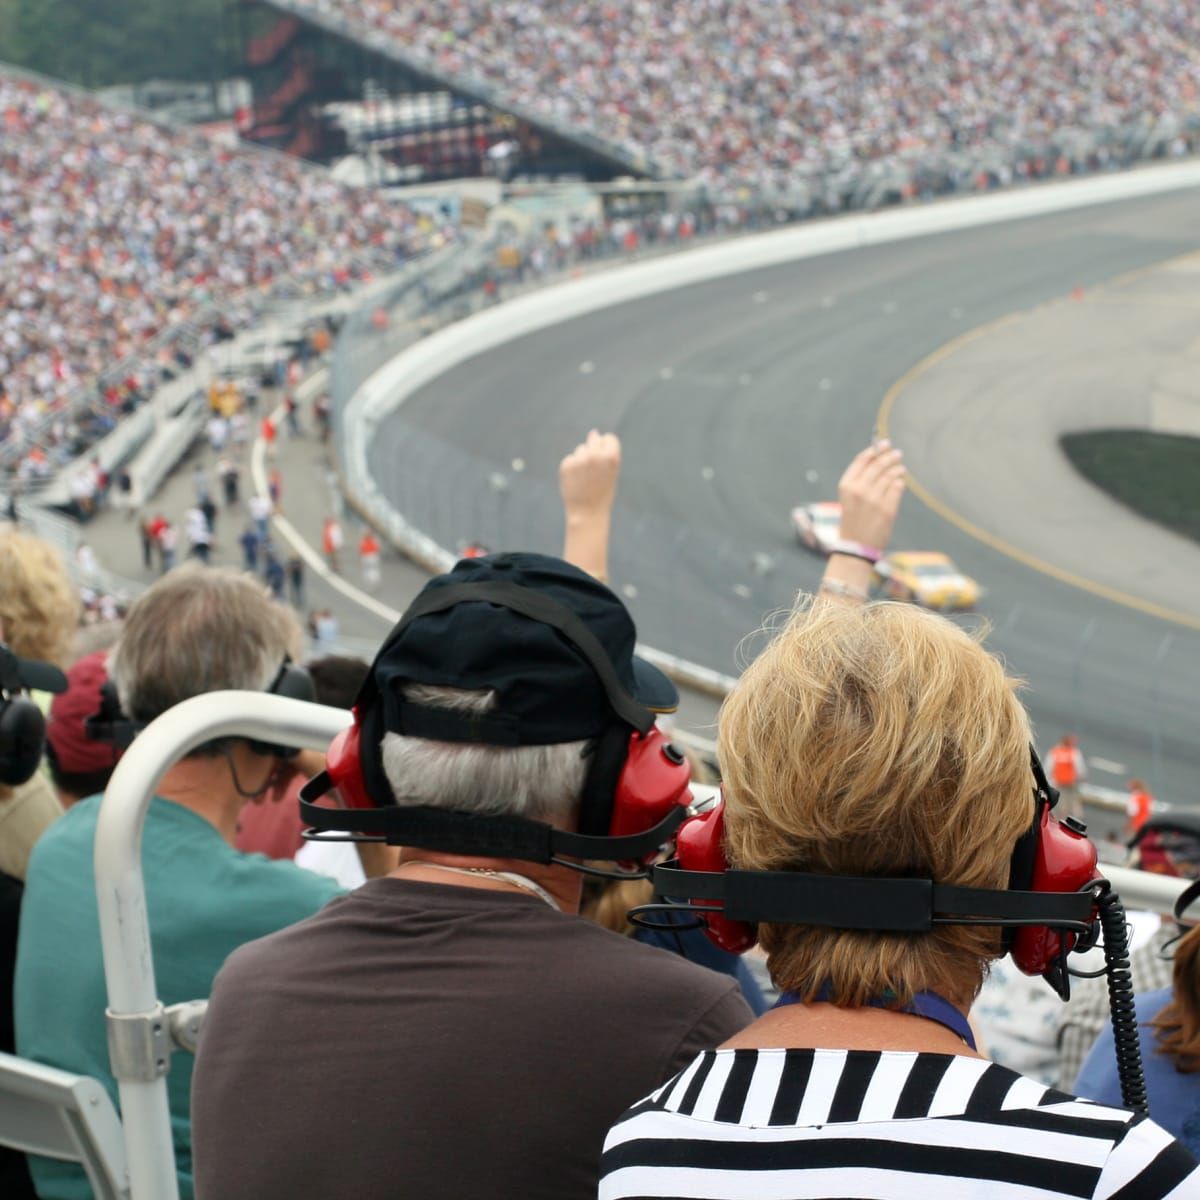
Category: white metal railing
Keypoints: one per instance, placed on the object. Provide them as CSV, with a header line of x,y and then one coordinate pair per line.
x,y
121,894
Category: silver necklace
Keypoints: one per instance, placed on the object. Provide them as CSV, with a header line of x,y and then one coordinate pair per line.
x,y
520,881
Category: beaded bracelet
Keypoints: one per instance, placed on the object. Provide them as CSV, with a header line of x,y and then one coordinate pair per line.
x,y
835,587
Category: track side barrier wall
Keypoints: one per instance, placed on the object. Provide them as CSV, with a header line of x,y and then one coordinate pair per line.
x,y
412,369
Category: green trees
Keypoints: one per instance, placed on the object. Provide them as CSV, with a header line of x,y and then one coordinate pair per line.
x,y
98,42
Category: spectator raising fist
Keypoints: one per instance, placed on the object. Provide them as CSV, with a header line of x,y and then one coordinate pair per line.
x,y
587,479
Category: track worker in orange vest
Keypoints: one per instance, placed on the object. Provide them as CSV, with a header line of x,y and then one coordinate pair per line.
x,y
368,554
1138,808
1067,772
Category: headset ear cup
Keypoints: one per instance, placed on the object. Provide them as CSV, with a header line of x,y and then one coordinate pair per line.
x,y
22,740
700,846
655,778
294,683
343,762
1063,861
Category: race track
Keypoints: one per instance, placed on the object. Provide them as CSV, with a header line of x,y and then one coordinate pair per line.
x,y
738,399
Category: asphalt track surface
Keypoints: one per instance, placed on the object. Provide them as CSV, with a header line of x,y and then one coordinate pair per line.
x,y
737,399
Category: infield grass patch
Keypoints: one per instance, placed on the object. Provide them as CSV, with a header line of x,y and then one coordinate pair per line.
x,y
1155,474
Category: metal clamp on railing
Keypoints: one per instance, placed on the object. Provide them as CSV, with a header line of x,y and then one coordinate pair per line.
x,y
184,1022
139,1044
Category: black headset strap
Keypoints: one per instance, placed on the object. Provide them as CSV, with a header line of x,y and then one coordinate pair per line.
x,y
883,905
10,672
1186,899
469,834
538,607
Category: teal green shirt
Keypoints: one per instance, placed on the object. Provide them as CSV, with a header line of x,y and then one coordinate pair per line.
x,y
204,899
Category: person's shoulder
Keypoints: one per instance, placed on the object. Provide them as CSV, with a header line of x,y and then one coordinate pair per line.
x,y
1149,1004
282,881
1147,1162
276,951
70,833
649,970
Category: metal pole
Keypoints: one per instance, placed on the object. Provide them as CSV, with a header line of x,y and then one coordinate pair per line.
x,y
1160,657
121,894
1085,640
1147,890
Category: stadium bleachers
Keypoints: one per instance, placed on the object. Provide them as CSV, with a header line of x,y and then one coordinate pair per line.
x,y
115,230
752,93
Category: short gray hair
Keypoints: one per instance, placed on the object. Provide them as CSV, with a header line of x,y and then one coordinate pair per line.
x,y
539,783
199,629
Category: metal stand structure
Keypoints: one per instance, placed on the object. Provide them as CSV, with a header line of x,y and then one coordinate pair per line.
x,y
140,1029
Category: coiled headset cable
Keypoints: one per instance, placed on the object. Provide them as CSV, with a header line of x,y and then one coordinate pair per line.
x,y
1120,998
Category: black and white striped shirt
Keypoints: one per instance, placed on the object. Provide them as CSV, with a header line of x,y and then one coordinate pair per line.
x,y
881,1125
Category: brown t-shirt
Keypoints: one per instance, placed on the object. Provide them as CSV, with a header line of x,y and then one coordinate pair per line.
x,y
431,1042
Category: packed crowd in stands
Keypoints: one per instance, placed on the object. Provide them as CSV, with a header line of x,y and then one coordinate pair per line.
x,y
754,92
115,230
541,1055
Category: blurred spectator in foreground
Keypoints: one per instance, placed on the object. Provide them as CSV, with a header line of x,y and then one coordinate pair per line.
x,y
1169,1036
39,612
79,766
271,823
1164,846
20,757
876,741
1067,771
464,968
194,631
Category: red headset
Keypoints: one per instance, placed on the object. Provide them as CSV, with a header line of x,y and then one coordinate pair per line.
x,y
636,793
1048,909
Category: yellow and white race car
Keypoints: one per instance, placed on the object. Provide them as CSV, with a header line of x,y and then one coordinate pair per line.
x,y
927,578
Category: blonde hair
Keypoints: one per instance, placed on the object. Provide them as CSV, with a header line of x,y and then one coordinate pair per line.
x,y
39,606
608,901
876,741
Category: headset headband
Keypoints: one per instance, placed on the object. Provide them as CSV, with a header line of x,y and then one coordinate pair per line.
x,y
1186,899
881,905
494,837
10,672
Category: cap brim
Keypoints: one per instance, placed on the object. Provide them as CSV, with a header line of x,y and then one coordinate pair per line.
x,y
652,688
41,676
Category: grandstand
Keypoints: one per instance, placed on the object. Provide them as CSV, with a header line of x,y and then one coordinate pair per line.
x,y
325,86
129,244
777,98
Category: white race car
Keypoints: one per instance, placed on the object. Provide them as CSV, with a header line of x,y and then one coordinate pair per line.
x,y
817,525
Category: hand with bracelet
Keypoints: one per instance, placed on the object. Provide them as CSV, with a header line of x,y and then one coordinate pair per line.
x,y
870,491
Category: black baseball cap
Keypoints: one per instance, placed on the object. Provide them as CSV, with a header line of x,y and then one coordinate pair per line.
x,y
17,674
553,642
